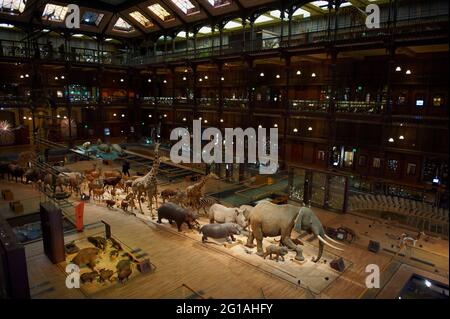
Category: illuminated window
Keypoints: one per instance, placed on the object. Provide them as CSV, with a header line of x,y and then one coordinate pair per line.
x,y
139,17
162,13
92,18
12,6
122,25
262,19
53,12
186,6
232,25
218,3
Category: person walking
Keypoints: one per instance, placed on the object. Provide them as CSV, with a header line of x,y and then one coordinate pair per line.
x,y
126,168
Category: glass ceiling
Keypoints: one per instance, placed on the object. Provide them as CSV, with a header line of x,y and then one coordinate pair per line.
x,y
12,6
92,18
218,3
54,12
159,11
139,17
122,25
186,6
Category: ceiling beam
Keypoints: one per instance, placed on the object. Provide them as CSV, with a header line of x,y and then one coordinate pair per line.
x,y
203,8
239,4
98,5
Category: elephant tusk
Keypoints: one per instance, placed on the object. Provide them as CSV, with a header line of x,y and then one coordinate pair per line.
x,y
327,243
332,240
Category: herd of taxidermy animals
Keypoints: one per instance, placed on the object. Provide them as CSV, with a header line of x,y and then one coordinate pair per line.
x,y
183,206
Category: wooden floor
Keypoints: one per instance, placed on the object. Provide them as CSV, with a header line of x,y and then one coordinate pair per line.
x,y
183,265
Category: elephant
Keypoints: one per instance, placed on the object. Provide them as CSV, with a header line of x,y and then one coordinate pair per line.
x,y
271,220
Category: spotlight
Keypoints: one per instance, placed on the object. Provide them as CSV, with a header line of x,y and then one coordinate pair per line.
x,y
184,78
206,77
24,117
391,140
310,128
149,115
29,119
205,121
222,78
200,118
63,77
165,115
184,119
58,116
427,283
295,130
261,74
149,80
277,76
65,116
298,72
408,72
21,76
123,115
165,81
259,126
56,78
401,137
200,80
27,75
114,114
313,75
398,69
275,125
122,80
221,120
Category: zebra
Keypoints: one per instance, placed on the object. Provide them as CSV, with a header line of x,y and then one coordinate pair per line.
x,y
206,202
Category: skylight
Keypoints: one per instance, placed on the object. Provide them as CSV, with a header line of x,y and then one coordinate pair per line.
x,y
218,3
320,4
92,18
232,25
186,6
6,25
303,12
139,17
54,12
204,30
159,10
263,18
122,25
12,6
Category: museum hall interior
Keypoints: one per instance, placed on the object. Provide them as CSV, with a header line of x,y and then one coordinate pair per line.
x,y
224,149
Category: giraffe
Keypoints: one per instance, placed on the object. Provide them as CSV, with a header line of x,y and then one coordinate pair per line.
x,y
194,192
148,184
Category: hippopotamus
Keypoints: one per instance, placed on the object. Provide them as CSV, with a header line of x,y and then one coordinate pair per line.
x,y
226,230
173,212
86,256
278,251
